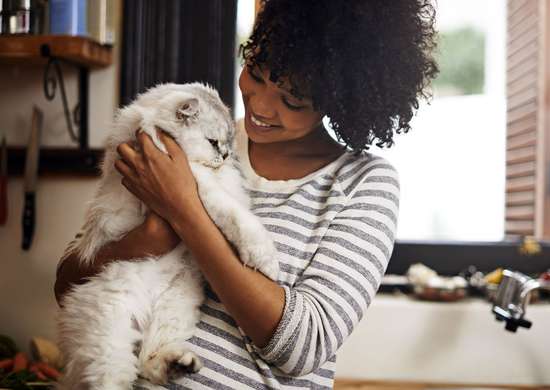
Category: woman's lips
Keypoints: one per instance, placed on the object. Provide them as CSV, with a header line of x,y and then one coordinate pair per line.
x,y
259,122
256,127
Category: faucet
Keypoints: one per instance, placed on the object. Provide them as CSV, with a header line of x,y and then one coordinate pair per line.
x,y
512,298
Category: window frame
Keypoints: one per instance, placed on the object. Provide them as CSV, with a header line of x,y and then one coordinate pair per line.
x,y
451,257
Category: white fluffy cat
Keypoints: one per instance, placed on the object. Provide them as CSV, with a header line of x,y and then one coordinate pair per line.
x,y
131,319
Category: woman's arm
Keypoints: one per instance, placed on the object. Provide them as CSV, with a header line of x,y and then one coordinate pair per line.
x,y
153,237
254,301
333,292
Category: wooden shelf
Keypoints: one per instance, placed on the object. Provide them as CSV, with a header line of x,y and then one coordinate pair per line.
x,y
26,49
61,161
81,52
357,384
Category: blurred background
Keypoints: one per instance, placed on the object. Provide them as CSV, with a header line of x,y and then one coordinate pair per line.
x,y
474,171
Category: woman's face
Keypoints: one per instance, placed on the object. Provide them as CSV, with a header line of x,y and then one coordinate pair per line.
x,y
272,114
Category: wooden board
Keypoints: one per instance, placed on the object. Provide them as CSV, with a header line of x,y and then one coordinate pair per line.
x,y
26,49
353,384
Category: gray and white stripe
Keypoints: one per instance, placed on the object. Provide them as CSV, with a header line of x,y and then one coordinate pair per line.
x,y
334,236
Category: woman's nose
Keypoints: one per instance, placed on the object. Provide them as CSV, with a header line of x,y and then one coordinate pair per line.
x,y
262,107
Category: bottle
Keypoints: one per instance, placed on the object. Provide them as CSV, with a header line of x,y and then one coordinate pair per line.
x,y
68,17
19,17
101,21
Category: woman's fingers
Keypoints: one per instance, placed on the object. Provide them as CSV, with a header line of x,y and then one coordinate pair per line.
x,y
147,146
172,146
128,185
127,153
150,150
125,170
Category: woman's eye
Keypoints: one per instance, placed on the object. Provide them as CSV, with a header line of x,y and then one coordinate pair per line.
x,y
292,107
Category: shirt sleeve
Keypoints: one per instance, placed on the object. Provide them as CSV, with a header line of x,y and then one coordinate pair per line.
x,y
330,298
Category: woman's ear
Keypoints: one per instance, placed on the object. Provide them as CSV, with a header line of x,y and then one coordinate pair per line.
x,y
188,109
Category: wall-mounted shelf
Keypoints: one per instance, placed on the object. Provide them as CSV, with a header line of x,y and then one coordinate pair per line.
x,y
26,49
48,51
58,161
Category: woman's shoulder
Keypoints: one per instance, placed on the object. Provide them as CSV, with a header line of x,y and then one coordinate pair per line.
x,y
366,170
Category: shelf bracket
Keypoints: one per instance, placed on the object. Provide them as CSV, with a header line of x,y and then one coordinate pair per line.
x,y
53,75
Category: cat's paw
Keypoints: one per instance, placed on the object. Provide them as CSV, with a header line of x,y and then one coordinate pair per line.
x,y
270,269
165,365
189,362
262,257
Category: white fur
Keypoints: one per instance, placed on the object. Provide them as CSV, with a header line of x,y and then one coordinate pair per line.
x,y
130,320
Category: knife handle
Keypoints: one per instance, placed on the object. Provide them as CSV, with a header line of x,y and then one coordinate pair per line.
x,y
28,220
3,199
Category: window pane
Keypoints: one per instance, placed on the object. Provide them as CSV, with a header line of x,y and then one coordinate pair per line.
x,y
452,162
245,21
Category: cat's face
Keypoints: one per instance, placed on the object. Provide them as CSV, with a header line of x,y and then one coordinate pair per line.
x,y
194,115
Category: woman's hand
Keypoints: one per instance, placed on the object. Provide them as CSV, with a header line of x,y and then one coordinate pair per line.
x,y
164,182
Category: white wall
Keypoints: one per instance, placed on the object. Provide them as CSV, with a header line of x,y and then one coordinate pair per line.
x,y
28,306
27,278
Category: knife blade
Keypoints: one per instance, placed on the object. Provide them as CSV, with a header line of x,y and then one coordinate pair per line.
x,y
31,173
3,182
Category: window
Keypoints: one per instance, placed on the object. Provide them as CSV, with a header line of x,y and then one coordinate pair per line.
x,y
451,164
454,165
245,21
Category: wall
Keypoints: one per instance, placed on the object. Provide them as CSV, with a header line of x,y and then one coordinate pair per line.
x,y
28,306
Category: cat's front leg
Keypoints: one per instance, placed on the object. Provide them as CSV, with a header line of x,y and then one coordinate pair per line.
x,y
241,227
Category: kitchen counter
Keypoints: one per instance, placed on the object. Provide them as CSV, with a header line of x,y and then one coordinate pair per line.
x,y
403,339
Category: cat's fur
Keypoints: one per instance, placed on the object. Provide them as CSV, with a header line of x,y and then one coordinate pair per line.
x,y
131,319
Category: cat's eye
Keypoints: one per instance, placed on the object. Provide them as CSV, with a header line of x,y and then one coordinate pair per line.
x,y
213,142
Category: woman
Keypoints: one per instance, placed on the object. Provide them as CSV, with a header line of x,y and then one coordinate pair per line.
x,y
331,207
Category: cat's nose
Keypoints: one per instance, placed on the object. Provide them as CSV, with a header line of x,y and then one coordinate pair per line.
x,y
225,155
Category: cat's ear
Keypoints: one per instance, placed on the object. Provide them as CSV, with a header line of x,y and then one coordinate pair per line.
x,y
187,109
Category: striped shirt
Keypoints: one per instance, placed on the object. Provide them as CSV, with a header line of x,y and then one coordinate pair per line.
x,y
334,232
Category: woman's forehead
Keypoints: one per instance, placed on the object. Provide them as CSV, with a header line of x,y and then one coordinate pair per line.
x,y
284,84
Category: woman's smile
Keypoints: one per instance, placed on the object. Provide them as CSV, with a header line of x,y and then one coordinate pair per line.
x,y
258,122
258,126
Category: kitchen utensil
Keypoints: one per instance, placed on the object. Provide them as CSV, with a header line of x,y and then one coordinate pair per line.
x,y
3,182
19,19
31,173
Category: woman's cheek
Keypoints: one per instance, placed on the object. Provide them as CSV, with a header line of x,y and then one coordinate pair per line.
x,y
298,123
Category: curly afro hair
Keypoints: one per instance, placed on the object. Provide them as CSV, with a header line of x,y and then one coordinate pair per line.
x,y
363,63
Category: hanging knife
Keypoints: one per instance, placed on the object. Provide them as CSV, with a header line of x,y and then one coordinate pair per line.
x,y
3,182
31,173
